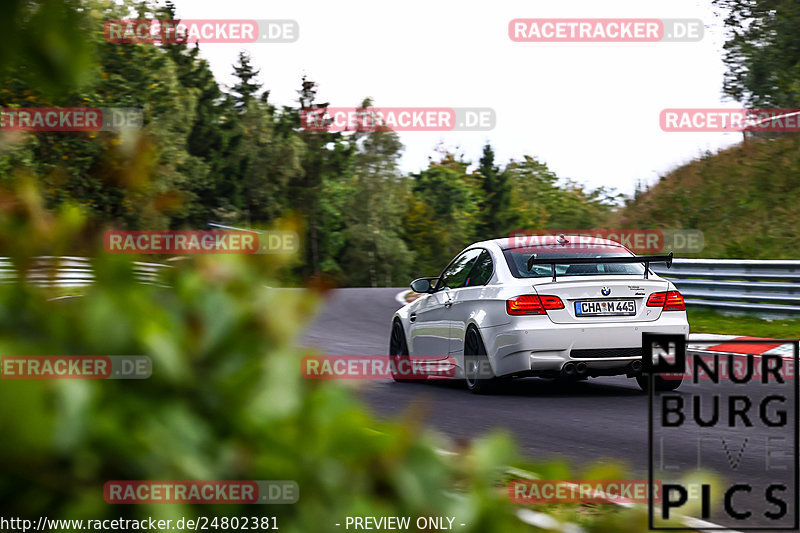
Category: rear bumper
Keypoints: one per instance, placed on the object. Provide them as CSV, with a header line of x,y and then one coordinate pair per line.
x,y
537,345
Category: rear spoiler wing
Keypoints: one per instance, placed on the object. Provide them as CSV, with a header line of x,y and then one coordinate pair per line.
x,y
645,259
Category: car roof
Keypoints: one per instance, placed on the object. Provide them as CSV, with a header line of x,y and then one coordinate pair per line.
x,y
523,241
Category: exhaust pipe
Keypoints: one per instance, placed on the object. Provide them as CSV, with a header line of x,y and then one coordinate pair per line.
x,y
568,368
581,368
636,366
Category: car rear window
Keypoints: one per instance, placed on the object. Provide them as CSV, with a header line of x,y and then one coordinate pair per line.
x,y
517,259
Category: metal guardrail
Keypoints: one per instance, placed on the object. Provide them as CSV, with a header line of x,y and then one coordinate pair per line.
x,y
746,286
52,271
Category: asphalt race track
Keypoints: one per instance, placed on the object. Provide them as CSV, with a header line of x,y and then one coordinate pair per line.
x,y
600,419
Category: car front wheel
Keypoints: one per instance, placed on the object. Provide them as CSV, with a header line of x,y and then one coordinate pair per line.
x,y
398,352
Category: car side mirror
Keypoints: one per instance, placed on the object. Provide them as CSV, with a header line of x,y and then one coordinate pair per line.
x,y
422,285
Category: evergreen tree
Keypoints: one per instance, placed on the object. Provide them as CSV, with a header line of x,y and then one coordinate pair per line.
x,y
496,195
246,87
375,253
325,161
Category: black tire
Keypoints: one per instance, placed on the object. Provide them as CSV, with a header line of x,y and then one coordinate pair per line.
x,y
398,351
662,385
476,364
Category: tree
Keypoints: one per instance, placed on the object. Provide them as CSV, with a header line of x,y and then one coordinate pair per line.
x,y
375,253
137,180
540,200
214,137
761,54
497,195
246,87
325,160
271,160
443,216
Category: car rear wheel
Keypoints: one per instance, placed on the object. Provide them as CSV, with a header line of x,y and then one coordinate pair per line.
x,y
661,384
398,352
477,371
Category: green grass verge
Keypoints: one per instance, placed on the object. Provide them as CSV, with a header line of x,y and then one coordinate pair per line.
x,y
704,321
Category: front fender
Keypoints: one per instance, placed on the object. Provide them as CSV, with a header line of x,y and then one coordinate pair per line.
x,y
402,314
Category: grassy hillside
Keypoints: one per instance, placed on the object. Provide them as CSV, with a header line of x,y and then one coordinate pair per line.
x,y
745,200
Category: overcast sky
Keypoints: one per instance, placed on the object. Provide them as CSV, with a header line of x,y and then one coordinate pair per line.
x,y
589,110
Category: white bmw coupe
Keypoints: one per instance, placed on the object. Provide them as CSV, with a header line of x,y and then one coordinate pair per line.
x,y
568,307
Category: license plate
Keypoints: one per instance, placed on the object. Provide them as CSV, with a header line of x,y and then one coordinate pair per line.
x,y
605,308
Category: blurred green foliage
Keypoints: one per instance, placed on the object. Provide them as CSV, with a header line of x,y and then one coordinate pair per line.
x,y
226,399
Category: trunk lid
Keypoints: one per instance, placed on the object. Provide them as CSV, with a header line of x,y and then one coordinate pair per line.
x,y
588,299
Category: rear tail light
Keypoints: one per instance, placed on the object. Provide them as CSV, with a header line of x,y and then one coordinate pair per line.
x,y
657,299
674,302
531,304
551,302
528,304
669,301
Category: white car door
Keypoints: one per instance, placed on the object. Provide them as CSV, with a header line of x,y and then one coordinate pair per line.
x,y
466,297
431,322
430,329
